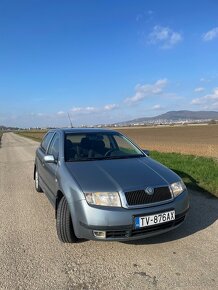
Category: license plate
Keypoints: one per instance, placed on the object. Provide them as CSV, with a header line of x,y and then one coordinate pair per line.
x,y
155,219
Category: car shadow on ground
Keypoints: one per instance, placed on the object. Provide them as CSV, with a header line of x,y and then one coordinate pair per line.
x,y
203,213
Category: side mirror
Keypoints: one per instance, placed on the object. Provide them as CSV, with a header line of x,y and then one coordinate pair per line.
x,y
146,152
49,159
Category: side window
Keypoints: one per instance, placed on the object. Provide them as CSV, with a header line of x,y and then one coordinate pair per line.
x,y
46,141
125,146
54,147
106,142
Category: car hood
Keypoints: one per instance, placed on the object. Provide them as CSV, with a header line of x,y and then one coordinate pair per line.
x,y
120,174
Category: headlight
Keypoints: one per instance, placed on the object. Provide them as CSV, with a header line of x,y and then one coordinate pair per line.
x,y
178,187
103,198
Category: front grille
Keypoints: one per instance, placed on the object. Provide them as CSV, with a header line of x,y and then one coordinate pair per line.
x,y
152,229
139,197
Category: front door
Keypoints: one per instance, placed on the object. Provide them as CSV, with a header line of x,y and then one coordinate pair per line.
x,y
51,168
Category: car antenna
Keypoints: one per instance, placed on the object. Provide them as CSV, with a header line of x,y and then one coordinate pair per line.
x,y
71,124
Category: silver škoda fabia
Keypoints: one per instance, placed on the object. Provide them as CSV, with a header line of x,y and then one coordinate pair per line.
x,y
104,187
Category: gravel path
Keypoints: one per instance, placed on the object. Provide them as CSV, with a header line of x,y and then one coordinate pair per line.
x,y
31,256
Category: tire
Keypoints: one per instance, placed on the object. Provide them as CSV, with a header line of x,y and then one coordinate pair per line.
x,y
64,224
37,183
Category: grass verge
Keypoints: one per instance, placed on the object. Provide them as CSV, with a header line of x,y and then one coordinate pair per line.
x,y
34,135
198,173
1,133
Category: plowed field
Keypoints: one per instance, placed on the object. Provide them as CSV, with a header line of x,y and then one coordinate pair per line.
x,y
197,140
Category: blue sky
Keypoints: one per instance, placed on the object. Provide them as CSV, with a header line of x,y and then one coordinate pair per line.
x,y
105,61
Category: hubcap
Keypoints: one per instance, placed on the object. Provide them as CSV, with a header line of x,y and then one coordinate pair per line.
x,y
37,179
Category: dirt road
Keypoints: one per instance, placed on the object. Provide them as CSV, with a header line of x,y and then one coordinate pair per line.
x,y
31,256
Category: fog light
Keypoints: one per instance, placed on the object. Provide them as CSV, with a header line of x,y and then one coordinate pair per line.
x,y
99,234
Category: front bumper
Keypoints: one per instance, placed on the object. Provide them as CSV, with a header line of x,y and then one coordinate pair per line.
x,y
118,223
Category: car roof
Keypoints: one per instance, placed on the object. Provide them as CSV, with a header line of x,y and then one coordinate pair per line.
x,y
83,130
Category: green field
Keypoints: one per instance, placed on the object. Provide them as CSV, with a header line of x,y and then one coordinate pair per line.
x,y
1,133
198,173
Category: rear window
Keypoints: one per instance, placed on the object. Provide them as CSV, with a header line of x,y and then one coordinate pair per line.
x,y
75,138
46,140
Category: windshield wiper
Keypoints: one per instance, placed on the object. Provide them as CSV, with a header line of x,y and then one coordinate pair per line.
x,y
124,156
89,159
108,158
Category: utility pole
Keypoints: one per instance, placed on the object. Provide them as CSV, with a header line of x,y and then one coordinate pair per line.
x,y
71,124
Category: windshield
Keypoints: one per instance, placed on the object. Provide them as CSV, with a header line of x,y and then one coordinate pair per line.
x,y
98,146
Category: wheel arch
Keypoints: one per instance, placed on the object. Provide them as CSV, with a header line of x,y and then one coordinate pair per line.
x,y
58,199
34,172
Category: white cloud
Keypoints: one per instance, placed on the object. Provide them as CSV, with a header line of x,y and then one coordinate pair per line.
x,y
208,101
211,34
146,90
197,101
110,107
213,106
32,114
199,89
90,109
164,36
61,113
157,107
206,80
76,109
84,110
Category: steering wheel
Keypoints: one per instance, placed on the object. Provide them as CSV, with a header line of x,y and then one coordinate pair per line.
x,y
108,153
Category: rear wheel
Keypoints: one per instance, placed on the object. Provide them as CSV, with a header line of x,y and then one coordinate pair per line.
x,y
37,183
64,224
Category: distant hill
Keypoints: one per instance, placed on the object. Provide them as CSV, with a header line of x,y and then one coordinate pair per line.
x,y
176,116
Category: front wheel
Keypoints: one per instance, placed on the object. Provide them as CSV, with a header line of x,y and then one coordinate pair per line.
x,y
64,224
37,184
